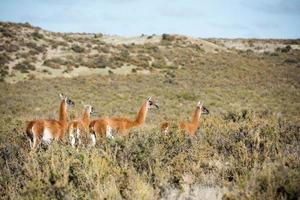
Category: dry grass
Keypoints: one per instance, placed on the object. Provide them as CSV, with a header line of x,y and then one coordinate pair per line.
x,y
247,148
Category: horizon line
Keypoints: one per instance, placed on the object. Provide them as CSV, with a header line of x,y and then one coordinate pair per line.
x,y
148,34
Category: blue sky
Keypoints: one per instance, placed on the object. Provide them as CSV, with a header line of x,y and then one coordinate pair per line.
x,y
198,18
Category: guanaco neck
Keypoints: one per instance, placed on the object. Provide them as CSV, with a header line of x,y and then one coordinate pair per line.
x,y
196,117
141,116
85,116
63,115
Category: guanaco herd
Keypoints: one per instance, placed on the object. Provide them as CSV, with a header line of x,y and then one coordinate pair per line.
x,y
43,131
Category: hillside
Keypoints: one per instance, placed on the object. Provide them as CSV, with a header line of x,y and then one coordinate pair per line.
x,y
246,148
29,52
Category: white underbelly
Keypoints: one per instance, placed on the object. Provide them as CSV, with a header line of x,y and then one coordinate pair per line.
x,y
47,136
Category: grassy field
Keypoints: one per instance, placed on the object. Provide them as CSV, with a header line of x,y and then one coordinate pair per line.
x,y
247,148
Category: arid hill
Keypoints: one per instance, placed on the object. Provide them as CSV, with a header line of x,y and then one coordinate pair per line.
x,y
28,52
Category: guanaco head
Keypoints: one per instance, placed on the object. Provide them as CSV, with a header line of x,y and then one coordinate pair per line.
x,y
90,109
151,103
67,100
203,109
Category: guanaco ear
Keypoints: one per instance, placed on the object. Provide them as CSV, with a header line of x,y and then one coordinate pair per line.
x,y
149,98
62,96
199,104
89,107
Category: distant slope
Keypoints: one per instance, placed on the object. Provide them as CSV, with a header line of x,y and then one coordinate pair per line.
x,y
28,52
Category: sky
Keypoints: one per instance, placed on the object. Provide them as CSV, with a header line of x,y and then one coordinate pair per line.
x,y
197,18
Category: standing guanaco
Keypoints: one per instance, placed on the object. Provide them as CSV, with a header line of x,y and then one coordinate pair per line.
x,y
122,125
44,130
78,126
189,127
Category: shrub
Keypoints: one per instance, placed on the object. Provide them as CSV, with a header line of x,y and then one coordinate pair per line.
x,y
4,59
7,33
290,61
36,35
3,72
9,48
78,49
285,49
125,54
34,46
168,37
98,35
236,117
103,49
55,63
100,62
24,67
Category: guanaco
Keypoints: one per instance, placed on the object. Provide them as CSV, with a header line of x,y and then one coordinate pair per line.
x,y
121,125
44,130
76,127
189,127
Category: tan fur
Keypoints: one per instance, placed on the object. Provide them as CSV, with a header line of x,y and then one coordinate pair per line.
x,y
57,128
121,125
188,127
81,124
191,127
165,126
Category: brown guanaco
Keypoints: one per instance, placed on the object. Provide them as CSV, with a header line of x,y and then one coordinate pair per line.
x,y
189,127
44,130
121,125
78,126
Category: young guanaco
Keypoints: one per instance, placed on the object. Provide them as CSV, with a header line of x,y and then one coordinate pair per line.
x,y
189,127
79,126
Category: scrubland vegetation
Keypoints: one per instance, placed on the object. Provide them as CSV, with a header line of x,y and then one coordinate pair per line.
x,y
247,148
